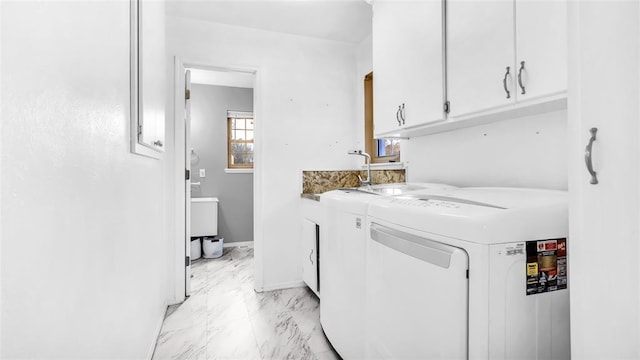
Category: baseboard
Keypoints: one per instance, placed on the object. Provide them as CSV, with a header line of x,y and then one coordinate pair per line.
x,y
156,333
239,243
280,286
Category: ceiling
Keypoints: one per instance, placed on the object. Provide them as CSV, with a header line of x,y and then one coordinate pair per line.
x,y
340,20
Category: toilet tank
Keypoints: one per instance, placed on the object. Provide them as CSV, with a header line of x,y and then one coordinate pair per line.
x,y
204,216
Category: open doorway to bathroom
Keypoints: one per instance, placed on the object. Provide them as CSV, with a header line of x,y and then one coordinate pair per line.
x,y
221,157
218,156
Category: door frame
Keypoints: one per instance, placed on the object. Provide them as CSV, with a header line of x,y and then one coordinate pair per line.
x,y
178,240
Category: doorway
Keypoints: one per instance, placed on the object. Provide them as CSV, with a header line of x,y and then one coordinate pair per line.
x,y
215,145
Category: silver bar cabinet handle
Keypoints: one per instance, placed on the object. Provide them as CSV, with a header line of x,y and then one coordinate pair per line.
x,y
587,156
520,77
504,82
398,115
402,113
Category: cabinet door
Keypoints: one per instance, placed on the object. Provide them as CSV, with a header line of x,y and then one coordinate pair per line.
x,y
480,47
407,63
309,255
541,43
604,84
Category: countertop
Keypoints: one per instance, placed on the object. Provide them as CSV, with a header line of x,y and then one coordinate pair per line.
x,y
315,197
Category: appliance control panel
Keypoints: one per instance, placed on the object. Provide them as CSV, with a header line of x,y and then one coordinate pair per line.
x,y
427,203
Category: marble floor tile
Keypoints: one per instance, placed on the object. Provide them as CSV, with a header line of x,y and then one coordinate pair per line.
x,y
231,339
190,313
308,322
182,344
226,319
328,355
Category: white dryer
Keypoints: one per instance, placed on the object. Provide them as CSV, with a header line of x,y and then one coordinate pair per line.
x,y
474,273
342,261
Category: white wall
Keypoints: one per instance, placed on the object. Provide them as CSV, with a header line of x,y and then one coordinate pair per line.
x,y
304,120
83,246
523,152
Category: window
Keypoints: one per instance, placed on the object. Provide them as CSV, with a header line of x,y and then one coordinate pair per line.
x,y
381,150
240,140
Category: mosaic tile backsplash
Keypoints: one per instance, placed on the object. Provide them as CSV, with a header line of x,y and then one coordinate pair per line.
x,y
317,182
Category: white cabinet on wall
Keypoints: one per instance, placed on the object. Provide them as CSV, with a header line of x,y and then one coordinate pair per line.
x,y
504,53
407,64
480,36
541,43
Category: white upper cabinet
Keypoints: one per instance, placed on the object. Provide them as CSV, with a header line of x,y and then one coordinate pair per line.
x,y
480,55
503,53
541,34
407,64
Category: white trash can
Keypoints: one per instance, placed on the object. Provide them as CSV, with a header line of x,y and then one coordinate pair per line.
x,y
212,246
196,248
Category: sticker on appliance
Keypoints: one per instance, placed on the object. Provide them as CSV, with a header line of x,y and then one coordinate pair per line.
x,y
546,265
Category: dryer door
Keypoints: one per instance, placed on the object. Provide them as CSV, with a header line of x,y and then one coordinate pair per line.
x,y
417,297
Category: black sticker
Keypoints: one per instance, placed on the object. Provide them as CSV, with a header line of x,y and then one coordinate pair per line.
x,y
546,265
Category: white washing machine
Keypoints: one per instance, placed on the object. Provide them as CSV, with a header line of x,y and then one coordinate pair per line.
x,y
474,273
342,261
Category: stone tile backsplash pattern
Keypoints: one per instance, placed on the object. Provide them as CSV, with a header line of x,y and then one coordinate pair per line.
x,y
317,182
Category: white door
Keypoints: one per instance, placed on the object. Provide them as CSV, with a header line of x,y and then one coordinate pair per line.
x,y
417,297
310,257
187,185
604,245
541,48
407,64
480,48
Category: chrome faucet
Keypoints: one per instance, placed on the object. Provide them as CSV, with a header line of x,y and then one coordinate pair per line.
x,y
367,181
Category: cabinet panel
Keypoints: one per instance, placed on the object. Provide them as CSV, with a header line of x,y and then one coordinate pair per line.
x,y
542,45
407,63
309,255
480,46
604,45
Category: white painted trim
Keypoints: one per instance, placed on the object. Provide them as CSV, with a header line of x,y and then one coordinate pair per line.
x,y
138,149
238,171
136,87
1,107
258,184
534,106
239,244
178,294
385,166
281,286
156,333
239,114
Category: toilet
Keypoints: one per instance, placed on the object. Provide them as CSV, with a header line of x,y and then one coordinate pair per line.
x,y
204,223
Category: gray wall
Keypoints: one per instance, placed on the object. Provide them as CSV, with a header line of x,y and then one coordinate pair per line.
x,y
209,105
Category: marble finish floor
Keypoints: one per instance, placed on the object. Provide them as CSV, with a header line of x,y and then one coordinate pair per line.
x,y
226,319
